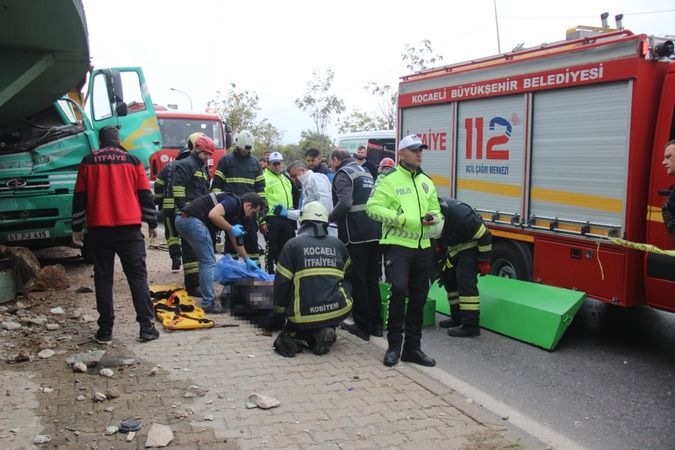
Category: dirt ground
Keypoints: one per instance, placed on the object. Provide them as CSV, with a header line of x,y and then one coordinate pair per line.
x,y
65,409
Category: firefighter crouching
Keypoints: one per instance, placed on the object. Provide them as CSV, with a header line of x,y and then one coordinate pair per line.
x,y
165,203
465,245
308,286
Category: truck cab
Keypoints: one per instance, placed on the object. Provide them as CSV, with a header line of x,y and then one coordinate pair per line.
x,y
177,126
40,153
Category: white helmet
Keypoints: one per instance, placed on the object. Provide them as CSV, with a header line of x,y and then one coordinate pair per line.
x,y
245,139
314,211
436,229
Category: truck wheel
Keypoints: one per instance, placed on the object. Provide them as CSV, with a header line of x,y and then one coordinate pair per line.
x,y
511,260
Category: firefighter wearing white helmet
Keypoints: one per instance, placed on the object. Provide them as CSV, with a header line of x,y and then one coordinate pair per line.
x,y
309,295
240,173
245,141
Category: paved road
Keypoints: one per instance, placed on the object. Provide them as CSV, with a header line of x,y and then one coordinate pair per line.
x,y
610,384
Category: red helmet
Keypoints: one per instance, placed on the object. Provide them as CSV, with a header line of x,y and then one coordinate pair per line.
x,y
202,141
387,162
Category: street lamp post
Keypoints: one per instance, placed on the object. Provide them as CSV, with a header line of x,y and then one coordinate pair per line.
x,y
184,93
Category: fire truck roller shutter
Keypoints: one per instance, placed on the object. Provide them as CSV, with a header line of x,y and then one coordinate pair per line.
x,y
580,153
511,259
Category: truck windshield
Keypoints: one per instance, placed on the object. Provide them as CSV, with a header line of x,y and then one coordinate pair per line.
x,y
175,131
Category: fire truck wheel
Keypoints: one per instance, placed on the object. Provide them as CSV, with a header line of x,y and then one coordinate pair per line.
x,y
512,260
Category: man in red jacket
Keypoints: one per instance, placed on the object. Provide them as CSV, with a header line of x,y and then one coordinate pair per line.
x,y
112,196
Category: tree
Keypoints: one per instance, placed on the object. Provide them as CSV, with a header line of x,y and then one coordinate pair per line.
x,y
360,121
386,96
319,102
387,102
291,152
238,108
419,58
266,134
311,139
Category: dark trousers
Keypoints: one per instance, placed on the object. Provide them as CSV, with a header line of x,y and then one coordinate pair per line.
x,y
250,225
408,272
190,266
128,243
364,276
170,234
461,283
279,231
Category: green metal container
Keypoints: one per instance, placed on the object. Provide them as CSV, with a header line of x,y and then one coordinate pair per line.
x,y
529,312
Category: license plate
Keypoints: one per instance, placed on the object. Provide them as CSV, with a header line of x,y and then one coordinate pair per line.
x,y
28,235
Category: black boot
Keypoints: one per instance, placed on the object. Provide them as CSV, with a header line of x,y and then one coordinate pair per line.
x,y
469,327
464,331
194,291
355,330
417,356
323,340
391,356
175,263
454,320
148,333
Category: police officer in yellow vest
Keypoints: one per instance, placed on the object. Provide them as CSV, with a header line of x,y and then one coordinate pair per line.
x,y
405,202
279,195
308,285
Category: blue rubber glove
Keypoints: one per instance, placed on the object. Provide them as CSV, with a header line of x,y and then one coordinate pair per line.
x,y
237,231
281,211
250,264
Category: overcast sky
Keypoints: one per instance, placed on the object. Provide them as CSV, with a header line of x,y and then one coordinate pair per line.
x,y
272,47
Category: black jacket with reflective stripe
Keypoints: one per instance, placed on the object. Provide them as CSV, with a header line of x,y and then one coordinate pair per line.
x,y
191,180
463,225
308,284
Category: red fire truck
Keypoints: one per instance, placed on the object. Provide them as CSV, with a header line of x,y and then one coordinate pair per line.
x,y
177,126
559,147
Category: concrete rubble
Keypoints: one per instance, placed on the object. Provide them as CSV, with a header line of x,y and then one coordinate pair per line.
x,y
158,436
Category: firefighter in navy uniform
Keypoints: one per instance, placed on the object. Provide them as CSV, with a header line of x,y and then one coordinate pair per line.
x,y
308,285
240,173
191,181
165,203
465,245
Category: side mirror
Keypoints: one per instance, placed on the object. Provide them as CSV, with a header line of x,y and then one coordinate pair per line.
x,y
121,109
228,135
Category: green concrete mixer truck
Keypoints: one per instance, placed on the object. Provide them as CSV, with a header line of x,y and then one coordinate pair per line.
x,y
44,131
